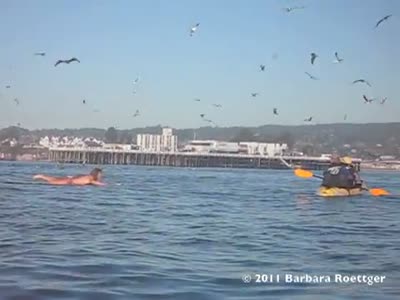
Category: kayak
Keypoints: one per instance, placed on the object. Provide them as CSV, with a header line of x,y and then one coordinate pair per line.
x,y
338,192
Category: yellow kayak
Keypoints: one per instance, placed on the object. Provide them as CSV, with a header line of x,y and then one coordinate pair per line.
x,y
338,192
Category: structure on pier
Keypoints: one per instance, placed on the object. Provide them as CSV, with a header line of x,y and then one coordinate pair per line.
x,y
101,156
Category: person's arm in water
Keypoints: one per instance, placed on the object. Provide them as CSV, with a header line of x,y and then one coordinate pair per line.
x,y
98,183
53,180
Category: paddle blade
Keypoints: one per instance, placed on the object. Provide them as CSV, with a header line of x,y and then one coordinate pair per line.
x,y
378,192
303,173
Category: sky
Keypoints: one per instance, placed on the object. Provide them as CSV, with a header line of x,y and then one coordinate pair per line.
x,y
120,40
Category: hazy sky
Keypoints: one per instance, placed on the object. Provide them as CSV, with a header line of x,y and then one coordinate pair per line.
x,y
118,41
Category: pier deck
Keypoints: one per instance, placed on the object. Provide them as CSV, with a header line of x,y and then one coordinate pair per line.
x,y
98,156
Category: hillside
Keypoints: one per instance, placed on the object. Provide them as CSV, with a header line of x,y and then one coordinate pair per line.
x,y
321,138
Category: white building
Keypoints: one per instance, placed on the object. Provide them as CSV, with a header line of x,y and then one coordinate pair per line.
x,y
252,148
76,142
200,146
266,149
166,142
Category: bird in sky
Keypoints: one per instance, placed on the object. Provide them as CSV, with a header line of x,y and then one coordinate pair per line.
x,y
366,100
345,117
67,61
134,92
197,99
96,111
338,59
16,101
8,86
313,57
19,124
383,101
275,111
217,105
382,20
84,101
308,119
136,80
311,76
262,68
202,115
362,81
254,94
209,121
194,28
136,114
40,54
290,9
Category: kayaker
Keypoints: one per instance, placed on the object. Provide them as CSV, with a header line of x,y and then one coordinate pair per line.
x,y
342,174
94,178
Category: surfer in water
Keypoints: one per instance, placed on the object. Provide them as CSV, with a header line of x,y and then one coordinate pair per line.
x,y
94,178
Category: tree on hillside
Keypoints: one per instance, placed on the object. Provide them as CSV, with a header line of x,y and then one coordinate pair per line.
x,y
244,135
111,135
287,138
125,137
308,150
10,133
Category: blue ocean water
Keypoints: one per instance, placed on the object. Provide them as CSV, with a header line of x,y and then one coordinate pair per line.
x,y
169,233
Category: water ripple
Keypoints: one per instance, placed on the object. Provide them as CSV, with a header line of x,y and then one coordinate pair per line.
x,y
163,233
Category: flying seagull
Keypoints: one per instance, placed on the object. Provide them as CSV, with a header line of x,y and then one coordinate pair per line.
x,y
254,94
16,101
137,113
313,57
209,121
84,101
68,61
19,124
383,100
197,100
217,105
366,100
345,117
40,54
382,20
96,110
136,80
290,9
311,76
362,81
202,115
275,111
8,86
308,119
262,68
338,59
194,28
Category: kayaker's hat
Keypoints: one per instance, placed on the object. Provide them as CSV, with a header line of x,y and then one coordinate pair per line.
x,y
346,160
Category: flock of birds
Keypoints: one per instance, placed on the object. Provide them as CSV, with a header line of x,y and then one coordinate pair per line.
x,y
313,58
262,68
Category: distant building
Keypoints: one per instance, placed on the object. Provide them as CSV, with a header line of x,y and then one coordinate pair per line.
x,y
71,142
201,146
252,148
387,157
166,142
266,149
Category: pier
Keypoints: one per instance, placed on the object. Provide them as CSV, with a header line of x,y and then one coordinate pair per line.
x,y
99,156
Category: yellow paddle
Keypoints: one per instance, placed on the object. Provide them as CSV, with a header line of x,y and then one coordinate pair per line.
x,y
308,174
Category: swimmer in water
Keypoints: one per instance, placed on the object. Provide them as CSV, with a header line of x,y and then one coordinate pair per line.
x,y
94,178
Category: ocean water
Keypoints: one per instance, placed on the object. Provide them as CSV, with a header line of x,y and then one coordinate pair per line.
x,y
165,233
